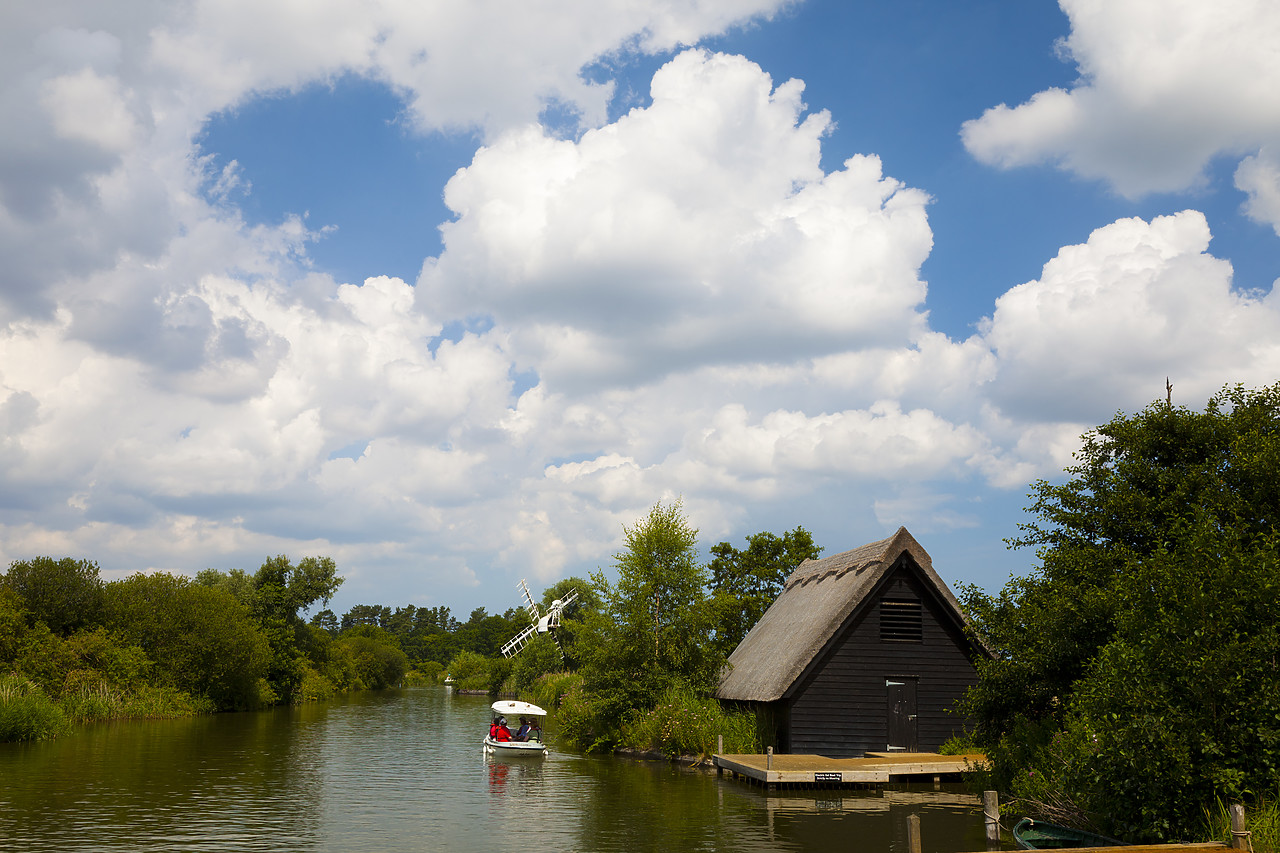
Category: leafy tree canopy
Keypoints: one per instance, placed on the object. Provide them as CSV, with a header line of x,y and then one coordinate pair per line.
x,y
201,638
283,590
652,630
65,594
1135,675
744,583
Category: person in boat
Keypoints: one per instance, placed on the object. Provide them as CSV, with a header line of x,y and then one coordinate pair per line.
x,y
500,731
523,733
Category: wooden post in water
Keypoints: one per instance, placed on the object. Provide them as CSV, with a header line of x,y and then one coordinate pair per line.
x,y
719,751
913,833
991,814
1239,835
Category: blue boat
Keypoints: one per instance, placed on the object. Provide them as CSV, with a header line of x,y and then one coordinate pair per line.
x,y
1038,835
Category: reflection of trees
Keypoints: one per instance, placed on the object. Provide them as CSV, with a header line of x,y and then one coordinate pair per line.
x,y
654,806
405,771
657,806
192,784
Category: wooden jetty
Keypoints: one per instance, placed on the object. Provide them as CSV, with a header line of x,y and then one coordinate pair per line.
x,y
876,768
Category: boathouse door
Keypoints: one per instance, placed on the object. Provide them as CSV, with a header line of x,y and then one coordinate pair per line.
x,y
901,708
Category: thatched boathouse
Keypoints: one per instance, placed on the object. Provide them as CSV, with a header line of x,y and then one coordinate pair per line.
x,y
863,651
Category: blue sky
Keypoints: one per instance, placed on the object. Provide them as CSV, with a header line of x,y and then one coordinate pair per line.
x,y
453,294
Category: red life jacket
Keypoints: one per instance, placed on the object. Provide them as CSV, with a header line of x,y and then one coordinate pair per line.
x,y
503,733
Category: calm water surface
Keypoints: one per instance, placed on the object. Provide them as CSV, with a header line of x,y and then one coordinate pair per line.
x,y
404,771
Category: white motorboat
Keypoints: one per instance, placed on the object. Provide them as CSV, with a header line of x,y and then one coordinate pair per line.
x,y
505,711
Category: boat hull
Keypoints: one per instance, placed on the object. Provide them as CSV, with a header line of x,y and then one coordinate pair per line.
x,y
514,747
1038,835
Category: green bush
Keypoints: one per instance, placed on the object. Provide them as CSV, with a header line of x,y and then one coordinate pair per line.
x,y
415,678
683,723
314,687
27,712
203,640
548,690
430,670
537,658
470,671
578,719
379,662
500,679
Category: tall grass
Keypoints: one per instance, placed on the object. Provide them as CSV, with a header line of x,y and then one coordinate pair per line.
x,y
684,723
89,701
1262,820
27,712
548,690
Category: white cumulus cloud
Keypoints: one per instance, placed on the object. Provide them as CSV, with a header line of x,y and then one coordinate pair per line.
x,y
1164,87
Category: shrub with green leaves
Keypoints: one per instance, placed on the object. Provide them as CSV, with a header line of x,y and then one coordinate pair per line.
x,y
683,723
1134,679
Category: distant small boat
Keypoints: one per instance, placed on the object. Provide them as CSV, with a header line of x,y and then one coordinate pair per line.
x,y
1038,835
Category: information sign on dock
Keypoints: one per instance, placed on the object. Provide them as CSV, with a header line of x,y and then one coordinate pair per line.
x,y
828,777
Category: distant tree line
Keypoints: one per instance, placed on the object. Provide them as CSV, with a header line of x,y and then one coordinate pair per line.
x,y
429,634
74,648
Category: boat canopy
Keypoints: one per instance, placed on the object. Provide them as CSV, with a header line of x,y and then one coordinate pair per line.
x,y
510,708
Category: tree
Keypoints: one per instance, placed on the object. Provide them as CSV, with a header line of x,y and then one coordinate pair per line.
x,y
326,621
379,660
201,639
1136,669
366,614
281,593
652,631
64,594
571,620
745,583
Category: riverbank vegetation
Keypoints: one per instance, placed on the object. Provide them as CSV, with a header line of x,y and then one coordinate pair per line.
x,y
1135,681
74,649
647,649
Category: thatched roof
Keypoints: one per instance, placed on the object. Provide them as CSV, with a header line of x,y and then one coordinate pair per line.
x,y
815,601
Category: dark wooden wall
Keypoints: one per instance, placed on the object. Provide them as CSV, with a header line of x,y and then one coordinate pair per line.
x,y
839,708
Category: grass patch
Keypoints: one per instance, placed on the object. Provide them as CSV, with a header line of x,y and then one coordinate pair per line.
x,y
1261,819
548,690
27,712
87,700
684,723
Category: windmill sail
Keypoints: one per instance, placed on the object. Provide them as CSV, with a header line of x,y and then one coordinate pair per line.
x,y
516,643
542,623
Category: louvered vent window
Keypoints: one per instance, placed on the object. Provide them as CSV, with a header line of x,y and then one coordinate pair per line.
x,y
901,621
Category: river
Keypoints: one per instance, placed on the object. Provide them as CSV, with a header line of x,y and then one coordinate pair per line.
x,y
403,770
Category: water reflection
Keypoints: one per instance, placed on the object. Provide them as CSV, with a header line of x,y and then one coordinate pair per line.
x,y
405,771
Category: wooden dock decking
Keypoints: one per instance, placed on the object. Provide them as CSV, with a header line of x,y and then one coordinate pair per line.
x,y
875,768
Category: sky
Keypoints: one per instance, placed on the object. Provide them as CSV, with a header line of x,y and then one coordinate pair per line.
x,y
454,293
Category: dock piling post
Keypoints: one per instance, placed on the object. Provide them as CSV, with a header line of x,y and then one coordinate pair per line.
x,y
768,759
719,751
913,833
1239,835
991,814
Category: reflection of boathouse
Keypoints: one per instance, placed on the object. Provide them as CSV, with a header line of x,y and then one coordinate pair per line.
x,y
862,651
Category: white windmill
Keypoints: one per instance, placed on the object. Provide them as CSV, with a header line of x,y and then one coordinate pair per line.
x,y
540,623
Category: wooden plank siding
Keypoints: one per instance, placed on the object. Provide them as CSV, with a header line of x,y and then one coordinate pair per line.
x,y
838,708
